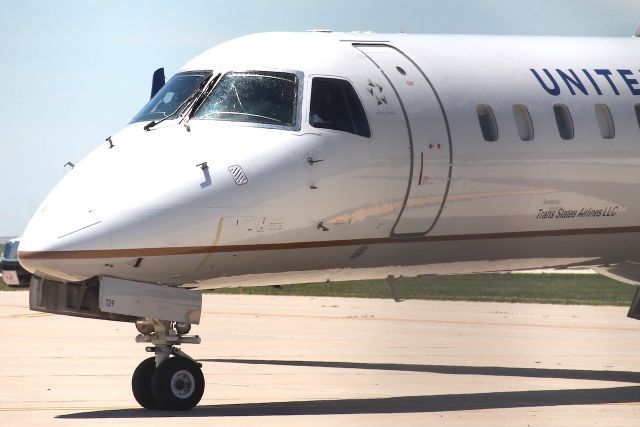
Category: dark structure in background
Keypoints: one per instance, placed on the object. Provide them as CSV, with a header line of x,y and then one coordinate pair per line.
x,y
12,272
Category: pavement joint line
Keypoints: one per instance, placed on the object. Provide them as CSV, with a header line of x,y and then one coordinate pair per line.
x,y
18,316
68,408
25,307
434,321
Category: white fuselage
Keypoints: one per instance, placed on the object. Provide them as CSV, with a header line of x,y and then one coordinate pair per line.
x,y
426,193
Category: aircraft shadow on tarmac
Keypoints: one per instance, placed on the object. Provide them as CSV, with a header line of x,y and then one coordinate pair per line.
x,y
410,404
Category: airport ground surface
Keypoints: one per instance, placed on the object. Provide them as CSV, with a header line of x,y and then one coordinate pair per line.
x,y
310,361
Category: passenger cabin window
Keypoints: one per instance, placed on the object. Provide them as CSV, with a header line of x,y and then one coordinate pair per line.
x,y
564,121
267,98
335,105
488,123
605,121
523,122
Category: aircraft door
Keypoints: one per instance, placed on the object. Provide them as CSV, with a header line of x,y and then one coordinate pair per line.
x,y
430,153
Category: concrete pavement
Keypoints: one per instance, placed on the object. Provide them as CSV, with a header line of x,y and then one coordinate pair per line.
x,y
271,360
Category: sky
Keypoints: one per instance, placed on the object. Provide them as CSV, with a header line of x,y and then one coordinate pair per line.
x,y
74,72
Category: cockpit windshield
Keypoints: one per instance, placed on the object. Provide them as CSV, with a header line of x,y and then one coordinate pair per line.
x,y
170,98
257,97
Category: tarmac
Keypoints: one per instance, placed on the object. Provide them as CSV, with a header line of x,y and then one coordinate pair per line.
x,y
303,361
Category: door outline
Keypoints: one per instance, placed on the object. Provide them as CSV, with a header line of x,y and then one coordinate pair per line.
x,y
393,234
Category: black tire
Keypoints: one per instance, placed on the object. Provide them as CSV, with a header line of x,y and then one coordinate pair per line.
x,y
141,383
177,384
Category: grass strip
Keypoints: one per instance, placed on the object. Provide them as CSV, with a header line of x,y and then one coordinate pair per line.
x,y
586,289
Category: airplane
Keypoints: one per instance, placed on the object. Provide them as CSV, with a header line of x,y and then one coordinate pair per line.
x,y
323,156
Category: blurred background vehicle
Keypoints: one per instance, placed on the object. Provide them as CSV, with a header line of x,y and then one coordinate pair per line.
x,y
12,272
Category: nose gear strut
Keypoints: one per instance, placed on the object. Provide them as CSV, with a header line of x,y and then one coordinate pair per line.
x,y
170,380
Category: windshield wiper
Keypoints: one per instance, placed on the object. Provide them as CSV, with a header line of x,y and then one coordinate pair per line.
x,y
190,111
194,95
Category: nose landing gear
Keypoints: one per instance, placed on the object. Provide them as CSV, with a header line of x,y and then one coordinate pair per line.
x,y
170,380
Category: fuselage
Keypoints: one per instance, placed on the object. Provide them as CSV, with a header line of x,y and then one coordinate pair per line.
x,y
476,153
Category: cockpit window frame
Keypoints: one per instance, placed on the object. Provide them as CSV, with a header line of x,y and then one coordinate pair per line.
x,y
175,114
299,100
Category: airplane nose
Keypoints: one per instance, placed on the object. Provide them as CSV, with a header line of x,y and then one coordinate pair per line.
x,y
54,249
67,221
111,202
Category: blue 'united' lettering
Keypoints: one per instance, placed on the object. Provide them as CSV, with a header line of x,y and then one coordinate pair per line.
x,y
599,81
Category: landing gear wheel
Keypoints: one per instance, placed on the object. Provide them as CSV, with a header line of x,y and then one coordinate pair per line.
x,y
141,383
177,384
